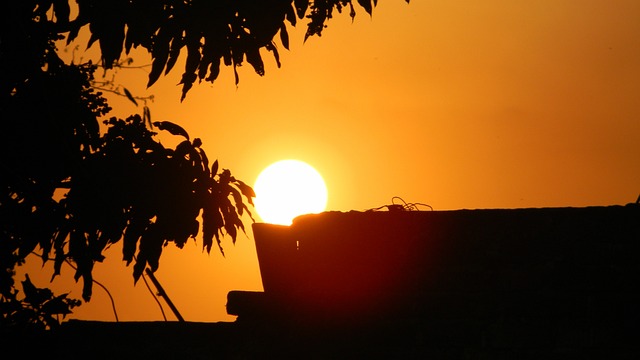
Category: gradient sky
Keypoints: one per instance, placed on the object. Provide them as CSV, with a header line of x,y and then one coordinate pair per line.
x,y
456,104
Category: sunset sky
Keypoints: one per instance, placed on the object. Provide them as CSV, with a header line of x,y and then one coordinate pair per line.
x,y
456,104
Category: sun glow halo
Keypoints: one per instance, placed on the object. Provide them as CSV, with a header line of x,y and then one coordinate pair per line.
x,y
288,188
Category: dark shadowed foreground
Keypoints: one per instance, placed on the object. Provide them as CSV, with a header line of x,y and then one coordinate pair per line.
x,y
467,284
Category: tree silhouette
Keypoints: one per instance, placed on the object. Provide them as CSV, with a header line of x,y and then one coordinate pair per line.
x,y
121,184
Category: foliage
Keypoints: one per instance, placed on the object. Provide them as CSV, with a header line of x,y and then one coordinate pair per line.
x,y
51,144
158,200
38,309
211,32
127,186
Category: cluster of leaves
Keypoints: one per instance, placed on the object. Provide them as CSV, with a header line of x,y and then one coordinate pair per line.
x,y
38,309
128,186
133,188
213,32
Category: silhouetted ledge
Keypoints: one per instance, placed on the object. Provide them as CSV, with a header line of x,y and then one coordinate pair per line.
x,y
474,284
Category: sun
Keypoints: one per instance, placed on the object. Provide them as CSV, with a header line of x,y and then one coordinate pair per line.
x,y
288,188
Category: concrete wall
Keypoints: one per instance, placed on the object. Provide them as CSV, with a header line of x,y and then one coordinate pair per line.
x,y
548,276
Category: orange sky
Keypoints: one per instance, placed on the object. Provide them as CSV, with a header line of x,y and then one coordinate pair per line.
x,y
457,104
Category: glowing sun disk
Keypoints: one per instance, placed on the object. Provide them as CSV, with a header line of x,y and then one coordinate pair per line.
x,y
289,188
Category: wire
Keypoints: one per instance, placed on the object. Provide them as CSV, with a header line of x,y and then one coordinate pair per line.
x,y
113,303
164,295
153,294
402,206
155,297
410,206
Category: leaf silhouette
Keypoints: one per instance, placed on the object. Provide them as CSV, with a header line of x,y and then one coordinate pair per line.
x,y
366,4
129,96
209,227
138,268
176,45
229,226
254,58
60,256
131,236
146,115
284,37
214,70
237,198
174,129
271,47
214,168
187,81
149,252
87,283
151,244
246,190
160,54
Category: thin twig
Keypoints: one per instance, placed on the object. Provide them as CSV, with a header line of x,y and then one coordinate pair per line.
x,y
113,303
144,278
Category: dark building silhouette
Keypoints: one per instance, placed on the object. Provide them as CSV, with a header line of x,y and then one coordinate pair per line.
x,y
539,281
